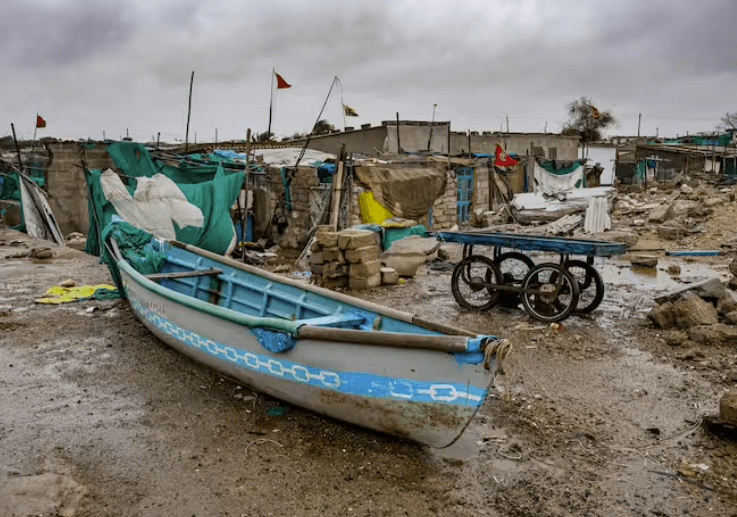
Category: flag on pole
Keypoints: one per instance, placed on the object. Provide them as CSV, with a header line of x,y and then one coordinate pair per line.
x,y
502,158
349,112
281,83
40,122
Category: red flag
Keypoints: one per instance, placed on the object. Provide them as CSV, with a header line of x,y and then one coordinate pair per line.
x,y
281,83
40,122
502,158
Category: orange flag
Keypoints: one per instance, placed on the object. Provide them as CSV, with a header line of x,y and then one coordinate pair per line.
x,y
40,122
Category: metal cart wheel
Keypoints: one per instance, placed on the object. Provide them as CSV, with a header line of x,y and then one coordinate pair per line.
x,y
552,304
590,285
514,268
471,281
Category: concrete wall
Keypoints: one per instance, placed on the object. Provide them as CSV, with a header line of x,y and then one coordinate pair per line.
x,y
65,182
414,136
365,141
555,146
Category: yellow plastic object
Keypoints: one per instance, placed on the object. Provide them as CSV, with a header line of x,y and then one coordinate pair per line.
x,y
371,210
58,294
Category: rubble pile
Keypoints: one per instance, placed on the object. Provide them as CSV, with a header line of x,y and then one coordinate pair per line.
x,y
699,313
349,258
672,215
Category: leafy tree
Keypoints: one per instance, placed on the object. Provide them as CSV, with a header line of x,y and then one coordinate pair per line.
x,y
323,127
728,122
587,122
263,137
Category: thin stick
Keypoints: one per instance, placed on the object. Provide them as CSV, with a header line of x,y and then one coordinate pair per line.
x,y
17,147
244,215
262,440
189,113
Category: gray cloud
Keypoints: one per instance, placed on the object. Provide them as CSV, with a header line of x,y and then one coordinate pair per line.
x,y
39,34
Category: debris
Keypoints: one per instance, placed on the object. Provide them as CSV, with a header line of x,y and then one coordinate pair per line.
x,y
691,310
728,406
674,270
727,302
40,253
713,334
389,276
709,289
68,283
662,315
644,260
675,337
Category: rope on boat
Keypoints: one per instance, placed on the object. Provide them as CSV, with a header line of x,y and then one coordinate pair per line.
x,y
499,349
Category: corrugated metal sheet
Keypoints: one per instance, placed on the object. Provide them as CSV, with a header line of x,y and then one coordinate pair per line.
x,y
597,215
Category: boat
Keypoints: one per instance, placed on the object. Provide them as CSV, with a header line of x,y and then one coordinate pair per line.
x,y
325,351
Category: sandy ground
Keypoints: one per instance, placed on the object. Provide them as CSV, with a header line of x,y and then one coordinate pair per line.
x,y
599,418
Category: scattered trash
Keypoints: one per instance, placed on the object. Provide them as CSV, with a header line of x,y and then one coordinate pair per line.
x,y
276,410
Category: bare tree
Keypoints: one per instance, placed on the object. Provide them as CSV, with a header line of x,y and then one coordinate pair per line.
x,y
587,122
728,122
263,137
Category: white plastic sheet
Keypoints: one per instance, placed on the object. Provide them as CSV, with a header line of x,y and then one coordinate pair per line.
x,y
154,207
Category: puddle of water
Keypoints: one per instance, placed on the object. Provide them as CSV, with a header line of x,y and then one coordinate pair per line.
x,y
619,272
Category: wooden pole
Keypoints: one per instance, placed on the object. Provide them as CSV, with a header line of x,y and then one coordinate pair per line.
x,y
271,104
158,139
189,113
337,189
469,142
244,213
17,147
399,145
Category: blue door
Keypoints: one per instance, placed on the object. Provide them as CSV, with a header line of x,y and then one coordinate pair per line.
x,y
464,188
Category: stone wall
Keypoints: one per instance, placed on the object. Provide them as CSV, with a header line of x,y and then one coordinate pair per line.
x,y
304,187
65,182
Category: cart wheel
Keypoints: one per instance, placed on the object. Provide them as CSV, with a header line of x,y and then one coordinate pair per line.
x,y
470,281
549,307
514,268
590,285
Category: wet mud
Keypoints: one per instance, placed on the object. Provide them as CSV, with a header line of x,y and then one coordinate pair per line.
x,y
598,418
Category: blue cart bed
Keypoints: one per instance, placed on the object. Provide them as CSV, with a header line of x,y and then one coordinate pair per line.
x,y
562,245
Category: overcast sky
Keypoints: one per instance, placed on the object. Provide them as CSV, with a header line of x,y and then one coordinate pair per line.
x,y
89,66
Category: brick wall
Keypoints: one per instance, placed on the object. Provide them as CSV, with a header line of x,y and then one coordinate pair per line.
x,y
65,182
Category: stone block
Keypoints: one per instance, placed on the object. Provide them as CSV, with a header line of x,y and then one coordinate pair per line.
x,y
333,255
731,317
316,257
713,334
315,246
389,276
690,310
358,282
671,231
365,269
727,302
354,239
709,289
316,269
660,214
334,269
728,406
662,316
333,283
364,254
327,239
688,208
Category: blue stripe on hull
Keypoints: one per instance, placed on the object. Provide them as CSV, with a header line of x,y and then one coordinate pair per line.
x,y
356,383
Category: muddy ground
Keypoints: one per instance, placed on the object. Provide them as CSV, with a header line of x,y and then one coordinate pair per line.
x,y
599,418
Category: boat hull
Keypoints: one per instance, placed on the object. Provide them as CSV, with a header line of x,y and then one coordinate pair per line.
x,y
424,395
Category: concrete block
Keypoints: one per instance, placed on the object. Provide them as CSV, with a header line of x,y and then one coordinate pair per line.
x,y
333,255
315,246
709,289
327,239
316,269
365,269
662,316
728,302
334,269
354,239
389,276
316,257
357,282
660,214
362,254
332,283
690,310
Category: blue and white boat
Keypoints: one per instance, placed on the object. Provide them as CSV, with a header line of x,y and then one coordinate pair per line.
x,y
336,355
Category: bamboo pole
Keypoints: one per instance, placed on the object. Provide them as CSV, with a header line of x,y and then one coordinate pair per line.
x,y
189,113
337,189
17,147
244,213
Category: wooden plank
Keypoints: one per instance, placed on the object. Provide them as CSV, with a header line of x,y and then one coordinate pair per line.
x,y
184,274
